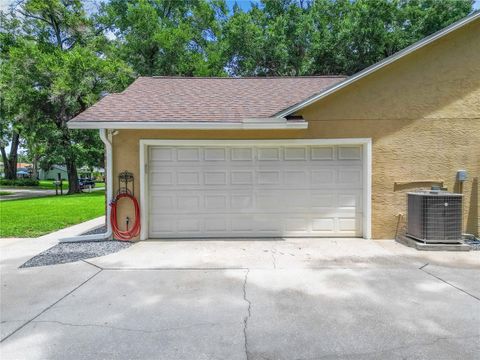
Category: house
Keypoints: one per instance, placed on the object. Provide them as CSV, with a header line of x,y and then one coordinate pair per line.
x,y
24,170
299,156
52,173
94,173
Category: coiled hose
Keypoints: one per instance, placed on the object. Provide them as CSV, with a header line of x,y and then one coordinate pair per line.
x,y
128,234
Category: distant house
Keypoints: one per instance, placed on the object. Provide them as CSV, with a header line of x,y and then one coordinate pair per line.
x,y
95,173
24,170
52,173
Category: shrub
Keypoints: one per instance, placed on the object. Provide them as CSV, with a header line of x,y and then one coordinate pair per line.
x,y
19,182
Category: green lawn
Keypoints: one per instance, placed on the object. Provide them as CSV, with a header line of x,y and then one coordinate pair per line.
x,y
48,184
39,216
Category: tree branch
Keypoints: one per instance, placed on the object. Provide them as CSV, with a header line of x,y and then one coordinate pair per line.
x,y
30,15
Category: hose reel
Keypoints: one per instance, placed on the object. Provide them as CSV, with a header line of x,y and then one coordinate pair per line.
x,y
125,191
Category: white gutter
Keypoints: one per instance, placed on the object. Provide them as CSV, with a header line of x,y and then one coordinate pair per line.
x,y
273,123
109,172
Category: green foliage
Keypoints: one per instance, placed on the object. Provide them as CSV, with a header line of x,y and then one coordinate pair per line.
x,y
54,69
19,182
164,37
38,216
325,37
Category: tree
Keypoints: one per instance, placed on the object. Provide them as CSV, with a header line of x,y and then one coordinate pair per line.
x,y
165,37
9,124
324,37
8,135
56,71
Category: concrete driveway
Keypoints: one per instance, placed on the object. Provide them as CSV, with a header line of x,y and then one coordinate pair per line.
x,y
277,299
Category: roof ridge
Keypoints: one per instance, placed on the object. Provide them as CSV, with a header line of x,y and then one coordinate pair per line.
x,y
243,77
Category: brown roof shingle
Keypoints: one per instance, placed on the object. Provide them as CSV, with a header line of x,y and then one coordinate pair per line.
x,y
204,99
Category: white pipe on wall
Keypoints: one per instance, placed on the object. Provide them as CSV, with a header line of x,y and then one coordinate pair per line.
x,y
106,138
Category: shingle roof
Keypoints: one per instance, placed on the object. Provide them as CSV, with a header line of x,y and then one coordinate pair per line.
x,y
166,99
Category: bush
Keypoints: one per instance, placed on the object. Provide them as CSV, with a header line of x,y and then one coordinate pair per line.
x,y
19,182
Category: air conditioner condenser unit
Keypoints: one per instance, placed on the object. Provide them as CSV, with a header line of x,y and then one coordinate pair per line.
x,y
434,216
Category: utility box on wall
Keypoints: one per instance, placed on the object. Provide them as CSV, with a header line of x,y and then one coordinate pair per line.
x,y
435,216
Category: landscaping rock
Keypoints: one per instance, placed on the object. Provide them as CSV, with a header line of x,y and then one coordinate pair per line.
x,y
70,252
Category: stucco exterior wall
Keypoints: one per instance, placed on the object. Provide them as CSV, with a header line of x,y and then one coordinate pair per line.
x,y
422,113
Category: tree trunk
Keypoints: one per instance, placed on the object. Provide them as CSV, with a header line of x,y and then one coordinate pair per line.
x,y
73,186
70,159
4,159
10,162
35,167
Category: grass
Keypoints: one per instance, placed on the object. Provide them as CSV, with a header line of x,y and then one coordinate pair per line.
x,y
2,193
48,184
39,216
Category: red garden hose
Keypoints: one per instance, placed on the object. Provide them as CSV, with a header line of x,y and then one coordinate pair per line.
x,y
135,229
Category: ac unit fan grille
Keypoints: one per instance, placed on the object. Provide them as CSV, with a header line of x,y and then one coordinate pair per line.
x,y
435,218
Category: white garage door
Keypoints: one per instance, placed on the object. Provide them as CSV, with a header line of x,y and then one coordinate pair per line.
x,y
255,191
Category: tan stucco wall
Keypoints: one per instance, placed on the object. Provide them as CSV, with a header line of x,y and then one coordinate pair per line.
x,y
422,113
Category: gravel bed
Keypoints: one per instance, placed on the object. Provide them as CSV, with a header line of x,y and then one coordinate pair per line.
x,y
70,252
99,230
474,244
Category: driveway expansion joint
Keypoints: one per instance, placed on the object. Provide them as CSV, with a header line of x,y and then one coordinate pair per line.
x,y
49,307
448,283
249,313
92,264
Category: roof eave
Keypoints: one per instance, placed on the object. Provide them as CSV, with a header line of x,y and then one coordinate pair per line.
x,y
247,124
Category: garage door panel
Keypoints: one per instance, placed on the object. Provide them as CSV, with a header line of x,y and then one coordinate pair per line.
x,y
274,201
241,154
187,202
242,177
221,191
254,225
215,178
162,154
322,153
349,152
323,224
269,154
296,153
350,177
188,154
242,224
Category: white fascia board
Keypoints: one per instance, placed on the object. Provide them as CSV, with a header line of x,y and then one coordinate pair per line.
x,y
154,125
257,142
381,64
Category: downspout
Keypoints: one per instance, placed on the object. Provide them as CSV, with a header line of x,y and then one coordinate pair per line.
x,y
109,171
